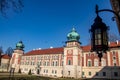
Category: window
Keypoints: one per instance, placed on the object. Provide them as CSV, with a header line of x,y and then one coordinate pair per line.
x,y
53,63
88,54
83,73
114,58
33,63
96,62
40,63
103,62
69,62
46,71
114,64
96,74
62,63
56,63
62,72
68,72
104,73
115,74
47,63
52,71
55,71
113,53
44,63
89,63
89,73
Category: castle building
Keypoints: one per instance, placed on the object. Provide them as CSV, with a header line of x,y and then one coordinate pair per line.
x,y
5,60
72,60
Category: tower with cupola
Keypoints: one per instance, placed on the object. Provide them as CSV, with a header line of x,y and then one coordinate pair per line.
x,y
16,57
72,55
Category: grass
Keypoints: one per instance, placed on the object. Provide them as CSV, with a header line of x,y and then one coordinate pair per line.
x,y
17,76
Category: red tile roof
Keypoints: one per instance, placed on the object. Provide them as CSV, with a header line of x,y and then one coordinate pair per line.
x,y
45,51
111,45
114,44
86,48
61,50
5,56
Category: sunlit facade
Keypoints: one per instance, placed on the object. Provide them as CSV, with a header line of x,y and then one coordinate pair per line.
x,y
73,60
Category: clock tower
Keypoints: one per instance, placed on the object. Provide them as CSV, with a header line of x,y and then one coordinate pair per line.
x,y
72,55
16,57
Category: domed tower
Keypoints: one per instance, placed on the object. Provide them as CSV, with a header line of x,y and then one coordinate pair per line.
x,y
72,55
19,45
73,38
16,56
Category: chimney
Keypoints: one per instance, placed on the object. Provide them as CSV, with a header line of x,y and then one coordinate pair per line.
x,y
117,41
51,47
108,42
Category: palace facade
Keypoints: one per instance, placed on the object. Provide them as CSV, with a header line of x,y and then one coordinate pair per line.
x,y
72,60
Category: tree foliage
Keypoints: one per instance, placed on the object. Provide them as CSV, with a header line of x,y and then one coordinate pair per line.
x,y
9,51
1,51
29,73
19,71
7,5
113,37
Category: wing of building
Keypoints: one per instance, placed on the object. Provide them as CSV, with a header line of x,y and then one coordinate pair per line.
x,y
73,60
5,60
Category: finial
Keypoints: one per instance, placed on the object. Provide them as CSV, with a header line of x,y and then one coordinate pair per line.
x,y
73,29
96,9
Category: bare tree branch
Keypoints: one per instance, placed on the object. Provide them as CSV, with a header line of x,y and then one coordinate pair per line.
x,y
6,5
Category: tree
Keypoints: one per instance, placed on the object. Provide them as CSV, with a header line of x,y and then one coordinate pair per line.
x,y
29,73
19,71
1,51
9,51
113,37
7,5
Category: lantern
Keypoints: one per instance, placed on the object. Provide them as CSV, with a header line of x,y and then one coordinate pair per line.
x,y
99,37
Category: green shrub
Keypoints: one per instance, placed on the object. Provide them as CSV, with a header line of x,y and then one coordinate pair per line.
x,y
19,71
29,73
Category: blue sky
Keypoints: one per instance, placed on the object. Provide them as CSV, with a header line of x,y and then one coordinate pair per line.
x,y
45,23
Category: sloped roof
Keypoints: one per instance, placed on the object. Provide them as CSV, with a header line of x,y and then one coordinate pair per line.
x,y
86,48
45,51
61,49
5,56
114,44
111,45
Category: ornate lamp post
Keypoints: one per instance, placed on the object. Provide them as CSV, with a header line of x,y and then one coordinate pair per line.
x,y
99,34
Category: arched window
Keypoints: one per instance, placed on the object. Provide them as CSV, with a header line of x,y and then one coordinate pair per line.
x,y
69,62
103,62
56,63
53,63
89,63
95,62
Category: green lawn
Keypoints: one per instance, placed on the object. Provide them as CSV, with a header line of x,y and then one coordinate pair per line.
x,y
17,76
6,76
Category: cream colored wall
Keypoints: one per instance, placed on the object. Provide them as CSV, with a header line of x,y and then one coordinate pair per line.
x,y
15,64
42,67
75,70
6,63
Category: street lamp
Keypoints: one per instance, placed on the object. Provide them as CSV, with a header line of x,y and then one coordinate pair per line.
x,y
99,34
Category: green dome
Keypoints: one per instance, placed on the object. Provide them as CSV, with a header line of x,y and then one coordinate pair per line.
x,y
73,35
20,45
